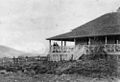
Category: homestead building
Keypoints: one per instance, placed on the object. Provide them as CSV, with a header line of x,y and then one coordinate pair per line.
x,y
104,30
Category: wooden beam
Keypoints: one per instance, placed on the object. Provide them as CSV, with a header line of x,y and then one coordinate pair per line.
x,y
89,41
64,43
61,43
117,41
49,45
106,40
74,41
62,46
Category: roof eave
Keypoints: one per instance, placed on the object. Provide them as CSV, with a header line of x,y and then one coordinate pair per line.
x,y
73,37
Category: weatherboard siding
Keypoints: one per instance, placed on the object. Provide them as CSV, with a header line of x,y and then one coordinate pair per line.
x,y
81,42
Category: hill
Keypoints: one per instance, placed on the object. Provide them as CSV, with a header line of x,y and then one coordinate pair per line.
x,y
9,52
6,51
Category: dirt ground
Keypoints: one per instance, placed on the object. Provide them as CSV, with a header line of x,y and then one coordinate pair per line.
x,y
19,77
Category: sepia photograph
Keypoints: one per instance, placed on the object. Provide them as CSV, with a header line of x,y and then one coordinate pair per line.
x,y
59,40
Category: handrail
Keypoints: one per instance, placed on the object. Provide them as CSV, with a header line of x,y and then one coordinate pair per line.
x,y
107,47
59,49
66,52
69,49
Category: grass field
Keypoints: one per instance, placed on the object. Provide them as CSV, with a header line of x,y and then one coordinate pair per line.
x,y
19,77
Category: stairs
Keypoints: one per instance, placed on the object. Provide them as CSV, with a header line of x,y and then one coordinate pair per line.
x,y
78,52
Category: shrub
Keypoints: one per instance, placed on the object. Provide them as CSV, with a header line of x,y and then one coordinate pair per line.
x,y
99,64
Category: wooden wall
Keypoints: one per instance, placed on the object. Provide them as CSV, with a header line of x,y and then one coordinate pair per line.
x,y
83,41
98,40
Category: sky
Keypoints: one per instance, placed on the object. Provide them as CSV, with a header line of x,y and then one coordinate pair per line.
x,y
25,24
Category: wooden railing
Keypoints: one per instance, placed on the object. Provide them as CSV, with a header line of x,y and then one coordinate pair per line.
x,y
112,47
109,48
68,49
65,53
59,49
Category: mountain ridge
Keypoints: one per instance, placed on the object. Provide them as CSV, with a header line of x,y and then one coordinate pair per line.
x,y
6,51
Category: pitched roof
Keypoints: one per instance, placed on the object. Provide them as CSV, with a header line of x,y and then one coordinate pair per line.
x,y
107,24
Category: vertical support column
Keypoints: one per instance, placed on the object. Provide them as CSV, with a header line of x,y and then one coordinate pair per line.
x,y
61,43
62,46
64,43
61,51
106,40
49,45
65,49
75,41
89,41
117,41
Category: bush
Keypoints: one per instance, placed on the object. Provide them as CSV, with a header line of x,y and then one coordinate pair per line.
x,y
99,64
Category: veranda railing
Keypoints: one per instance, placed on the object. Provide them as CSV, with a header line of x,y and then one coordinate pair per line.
x,y
69,49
